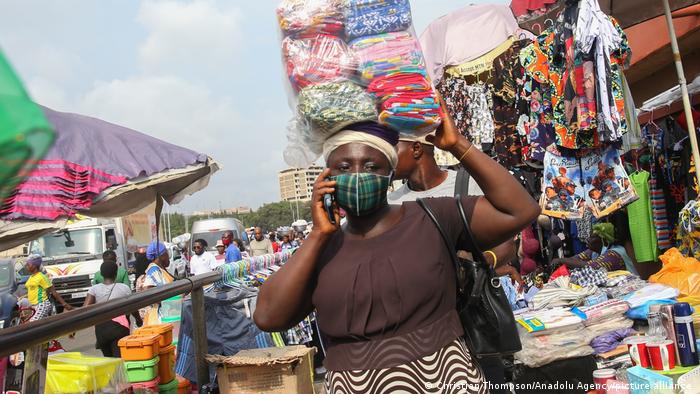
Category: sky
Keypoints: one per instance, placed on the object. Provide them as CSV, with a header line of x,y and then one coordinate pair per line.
x,y
205,74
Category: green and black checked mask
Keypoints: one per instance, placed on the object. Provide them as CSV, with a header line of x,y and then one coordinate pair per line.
x,y
360,194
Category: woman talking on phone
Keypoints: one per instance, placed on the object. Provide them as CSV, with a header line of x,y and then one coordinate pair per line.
x,y
383,284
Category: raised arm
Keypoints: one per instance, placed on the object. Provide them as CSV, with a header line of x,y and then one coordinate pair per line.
x,y
506,207
285,298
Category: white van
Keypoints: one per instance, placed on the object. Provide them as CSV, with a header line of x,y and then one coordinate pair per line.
x,y
211,230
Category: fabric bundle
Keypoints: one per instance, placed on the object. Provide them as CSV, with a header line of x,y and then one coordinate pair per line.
x,y
589,276
316,59
297,17
388,53
368,17
407,103
561,293
329,107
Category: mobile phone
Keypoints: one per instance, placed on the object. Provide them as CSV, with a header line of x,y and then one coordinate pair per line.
x,y
328,204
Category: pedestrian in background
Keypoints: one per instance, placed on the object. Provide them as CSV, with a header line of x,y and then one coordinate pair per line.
x,y
108,334
233,254
202,261
275,244
39,287
260,245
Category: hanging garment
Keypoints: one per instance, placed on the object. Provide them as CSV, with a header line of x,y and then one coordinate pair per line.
x,y
641,224
563,195
471,108
595,31
608,187
658,208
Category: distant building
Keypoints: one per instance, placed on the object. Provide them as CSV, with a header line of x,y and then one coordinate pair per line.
x,y
227,211
298,183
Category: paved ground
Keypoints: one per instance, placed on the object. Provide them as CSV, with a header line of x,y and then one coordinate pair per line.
x,y
84,342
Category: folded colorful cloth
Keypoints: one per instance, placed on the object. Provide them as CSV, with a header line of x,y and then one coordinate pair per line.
x,y
610,340
368,17
297,17
605,310
316,58
389,53
329,107
407,103
588,276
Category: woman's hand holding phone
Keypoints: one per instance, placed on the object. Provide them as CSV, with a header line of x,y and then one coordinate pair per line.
x,y
323,187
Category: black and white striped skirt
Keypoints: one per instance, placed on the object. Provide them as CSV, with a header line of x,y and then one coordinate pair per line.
x,y
449,370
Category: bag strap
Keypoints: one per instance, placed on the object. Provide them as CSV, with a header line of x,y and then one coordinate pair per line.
x,y
461,182
475,250
443,235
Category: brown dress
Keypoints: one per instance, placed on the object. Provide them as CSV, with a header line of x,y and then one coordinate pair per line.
x,y
386,306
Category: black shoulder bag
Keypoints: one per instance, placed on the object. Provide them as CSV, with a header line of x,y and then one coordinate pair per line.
x,y
482,305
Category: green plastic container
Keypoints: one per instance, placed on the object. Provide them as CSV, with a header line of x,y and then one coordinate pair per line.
x,y
168,388
142,371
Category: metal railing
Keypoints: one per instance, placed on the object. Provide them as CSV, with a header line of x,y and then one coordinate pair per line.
x,y
22,337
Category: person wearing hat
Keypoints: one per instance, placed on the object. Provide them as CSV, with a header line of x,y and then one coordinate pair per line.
x,y
383,284
157,271
603,252
39,287
220,252
156,275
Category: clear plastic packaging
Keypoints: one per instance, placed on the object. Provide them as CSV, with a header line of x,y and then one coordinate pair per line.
x,y
316,59
371,69
370,17
329,107
299,17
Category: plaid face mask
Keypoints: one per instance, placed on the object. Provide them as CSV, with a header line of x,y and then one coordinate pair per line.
x,y
361,193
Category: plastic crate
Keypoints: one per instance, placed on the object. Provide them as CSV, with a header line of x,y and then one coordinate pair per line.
x,y
142,371
78,373
645,381
171,307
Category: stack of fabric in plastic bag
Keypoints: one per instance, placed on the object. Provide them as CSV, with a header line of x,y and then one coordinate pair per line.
x,y
352,61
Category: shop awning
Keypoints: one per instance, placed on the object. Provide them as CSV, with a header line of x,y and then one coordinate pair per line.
x,y
99,169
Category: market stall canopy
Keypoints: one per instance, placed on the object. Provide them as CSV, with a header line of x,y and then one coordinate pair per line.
x,y
627,12
668,102
99,169
652,69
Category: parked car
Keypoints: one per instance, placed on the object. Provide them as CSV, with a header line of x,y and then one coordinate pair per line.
x,y
9,311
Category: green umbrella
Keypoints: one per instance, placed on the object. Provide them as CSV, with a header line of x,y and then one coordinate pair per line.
x,y
25,134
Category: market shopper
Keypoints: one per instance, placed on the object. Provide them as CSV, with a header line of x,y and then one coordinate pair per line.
x,y
603,252
233,254
286,244
156,275
275,244
122,275
220,252
202,261
383,284
260,245
39,287
108,334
